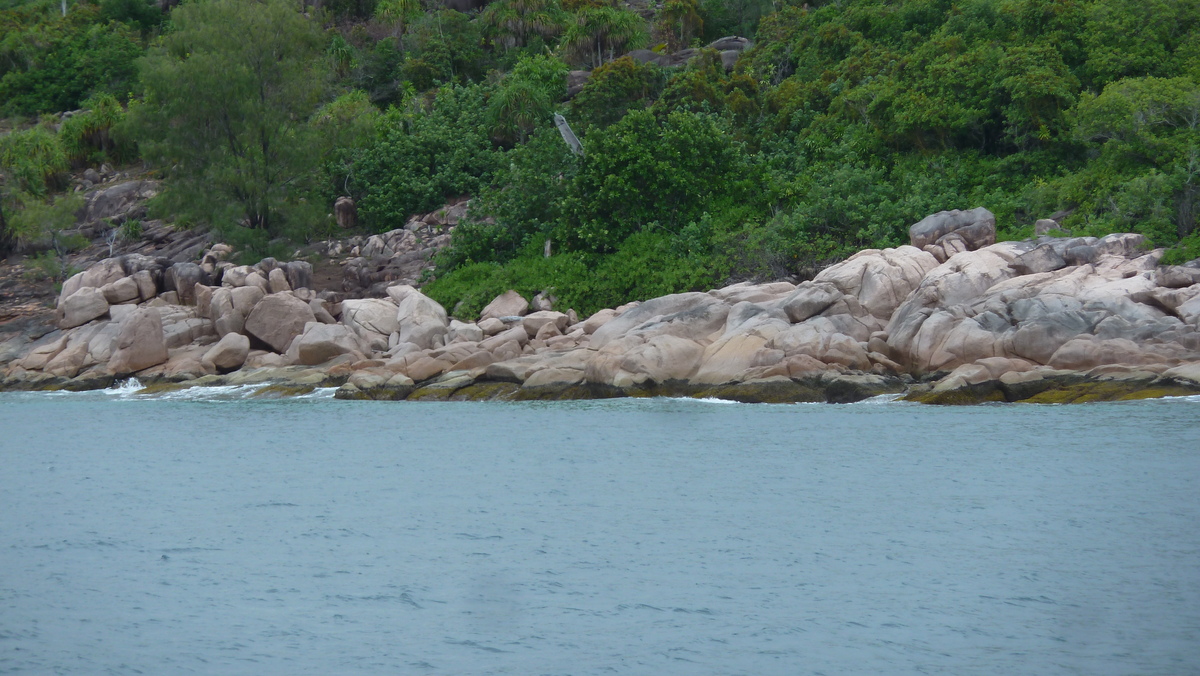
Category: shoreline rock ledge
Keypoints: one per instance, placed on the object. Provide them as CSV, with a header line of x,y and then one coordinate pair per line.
x,y
952,318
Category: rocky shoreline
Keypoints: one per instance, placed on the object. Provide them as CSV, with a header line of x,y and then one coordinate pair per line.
x,y
952,318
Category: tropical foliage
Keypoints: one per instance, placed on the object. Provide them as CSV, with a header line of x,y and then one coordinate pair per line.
x,y
227,96
845,123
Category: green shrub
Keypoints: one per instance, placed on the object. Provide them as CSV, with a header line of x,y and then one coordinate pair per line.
x,y
469,288
40,224
88,139
644,170
616,88
53,64
522,202
526,98
34,160
422,158
377,71
1188,249
141,14
646,265
131,230
447,47
45,265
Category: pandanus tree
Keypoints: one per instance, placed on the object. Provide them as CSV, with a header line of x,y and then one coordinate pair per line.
x,y
397,14
678,22
525,99
513,23
516,109
601,34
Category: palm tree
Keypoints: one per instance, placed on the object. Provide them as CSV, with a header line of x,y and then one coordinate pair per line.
x,y
599,34
516,108
517,21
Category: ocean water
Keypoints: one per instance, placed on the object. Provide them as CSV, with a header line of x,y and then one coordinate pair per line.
x,y
203,533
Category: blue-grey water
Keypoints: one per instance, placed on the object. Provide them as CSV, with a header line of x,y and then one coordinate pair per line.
x,y
201,533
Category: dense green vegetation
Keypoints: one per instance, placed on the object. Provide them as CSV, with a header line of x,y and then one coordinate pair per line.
x,y
847,122
228,94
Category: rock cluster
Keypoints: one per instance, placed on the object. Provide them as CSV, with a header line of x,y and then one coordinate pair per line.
x,y
114,202
399,256
729,48
953,312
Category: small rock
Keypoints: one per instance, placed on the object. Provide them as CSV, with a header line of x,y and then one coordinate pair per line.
x,y
229,353
277,281
1044,226
123,290
508,304
346,213
82,307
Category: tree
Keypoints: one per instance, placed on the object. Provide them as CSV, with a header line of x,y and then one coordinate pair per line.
x,y
228,96
515,22
525,99
599,34
616,88
678,22
50,64
1146,175
397,13
645,170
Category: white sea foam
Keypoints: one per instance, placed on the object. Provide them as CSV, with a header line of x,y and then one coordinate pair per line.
x,y
125,387
707,400
210,393
881,399
319,393
132,390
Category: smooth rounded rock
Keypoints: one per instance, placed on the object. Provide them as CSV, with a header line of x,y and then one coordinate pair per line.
x,y
277,319
508,304
81,307
140,343
229,353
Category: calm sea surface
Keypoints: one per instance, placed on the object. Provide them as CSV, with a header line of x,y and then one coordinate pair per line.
x,y
201,533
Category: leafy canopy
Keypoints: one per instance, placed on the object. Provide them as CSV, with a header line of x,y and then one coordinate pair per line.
x,y
228,96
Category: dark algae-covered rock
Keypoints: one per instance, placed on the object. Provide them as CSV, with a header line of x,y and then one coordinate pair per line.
x,y
973,394
765,391
1082,393
161,387
282,390
487,391
1063,389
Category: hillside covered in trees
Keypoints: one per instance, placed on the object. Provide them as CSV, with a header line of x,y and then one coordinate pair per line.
x,y
842,125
